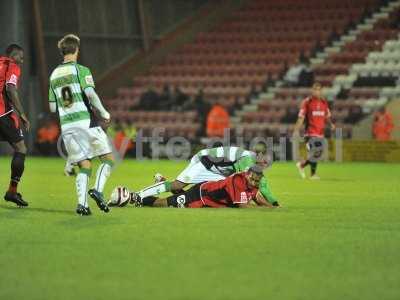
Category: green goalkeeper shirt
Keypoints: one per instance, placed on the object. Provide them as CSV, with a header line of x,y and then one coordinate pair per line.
x,y
245,163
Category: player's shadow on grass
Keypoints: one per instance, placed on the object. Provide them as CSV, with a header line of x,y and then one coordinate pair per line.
x,y
335,179
39,209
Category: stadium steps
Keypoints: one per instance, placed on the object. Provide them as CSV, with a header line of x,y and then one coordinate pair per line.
x,y
320,58
351,36
367,25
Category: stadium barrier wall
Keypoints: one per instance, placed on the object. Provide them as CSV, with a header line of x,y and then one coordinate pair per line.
x,y
360,151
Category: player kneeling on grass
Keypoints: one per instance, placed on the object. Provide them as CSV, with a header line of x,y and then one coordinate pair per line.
x,y
212,165
237,190
72,95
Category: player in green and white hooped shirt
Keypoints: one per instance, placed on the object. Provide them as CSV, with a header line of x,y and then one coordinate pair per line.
x,y
72,96
211,165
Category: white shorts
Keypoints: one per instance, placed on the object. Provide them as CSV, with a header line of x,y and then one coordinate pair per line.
x,y
82,144
196,172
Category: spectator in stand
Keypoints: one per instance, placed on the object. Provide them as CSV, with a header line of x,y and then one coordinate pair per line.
x,y
284,70
236,106
306,77
47,137
166,99
351,25
334,36
395,20
291,115
355,114
179,99
149,99
217,120
202,108
383,125
269,82
317,48
292,76
252,94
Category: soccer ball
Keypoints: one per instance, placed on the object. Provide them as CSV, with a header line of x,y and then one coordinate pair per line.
x,y
120,196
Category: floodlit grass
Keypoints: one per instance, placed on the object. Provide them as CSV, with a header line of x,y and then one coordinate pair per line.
x,y
338,238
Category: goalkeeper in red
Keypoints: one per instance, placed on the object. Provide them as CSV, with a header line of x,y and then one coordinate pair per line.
x,y
315,114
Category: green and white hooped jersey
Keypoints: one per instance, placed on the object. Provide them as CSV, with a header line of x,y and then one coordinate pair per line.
x,y
229,159
67,84
228,153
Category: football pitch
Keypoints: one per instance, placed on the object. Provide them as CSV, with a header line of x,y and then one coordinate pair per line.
x,y
338,238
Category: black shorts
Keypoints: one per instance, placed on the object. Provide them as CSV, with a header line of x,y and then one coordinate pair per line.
x,y
10,130
186,198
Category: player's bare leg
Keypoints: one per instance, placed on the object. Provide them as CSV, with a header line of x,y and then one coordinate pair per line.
x,y
300,167
175,186
17,169
161,202
313,166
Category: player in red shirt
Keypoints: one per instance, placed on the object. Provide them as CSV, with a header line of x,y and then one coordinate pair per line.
x,y
315,114
11,115
237,190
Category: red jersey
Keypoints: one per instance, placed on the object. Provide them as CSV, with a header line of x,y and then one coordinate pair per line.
x,y
315,112
227,192
10,73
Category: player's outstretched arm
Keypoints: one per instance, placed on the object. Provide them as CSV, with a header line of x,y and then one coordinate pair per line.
x,y
329,120
244,205
265,195
297,126
12,93
95,101
261,201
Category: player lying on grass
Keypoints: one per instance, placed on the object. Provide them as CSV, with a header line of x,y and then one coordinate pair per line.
x,y
237,190
212,165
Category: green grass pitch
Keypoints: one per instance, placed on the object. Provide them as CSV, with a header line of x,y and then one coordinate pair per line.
x,y
338,238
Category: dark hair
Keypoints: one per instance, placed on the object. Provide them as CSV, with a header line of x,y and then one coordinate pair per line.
x,y
317,85
13,47
68,44
217,144
257,169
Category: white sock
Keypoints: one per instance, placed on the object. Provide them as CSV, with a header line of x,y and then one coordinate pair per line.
x,y
82,181
103,172
155,189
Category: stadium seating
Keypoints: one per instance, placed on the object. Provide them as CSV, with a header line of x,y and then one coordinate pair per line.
x,y
264,37
362,55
